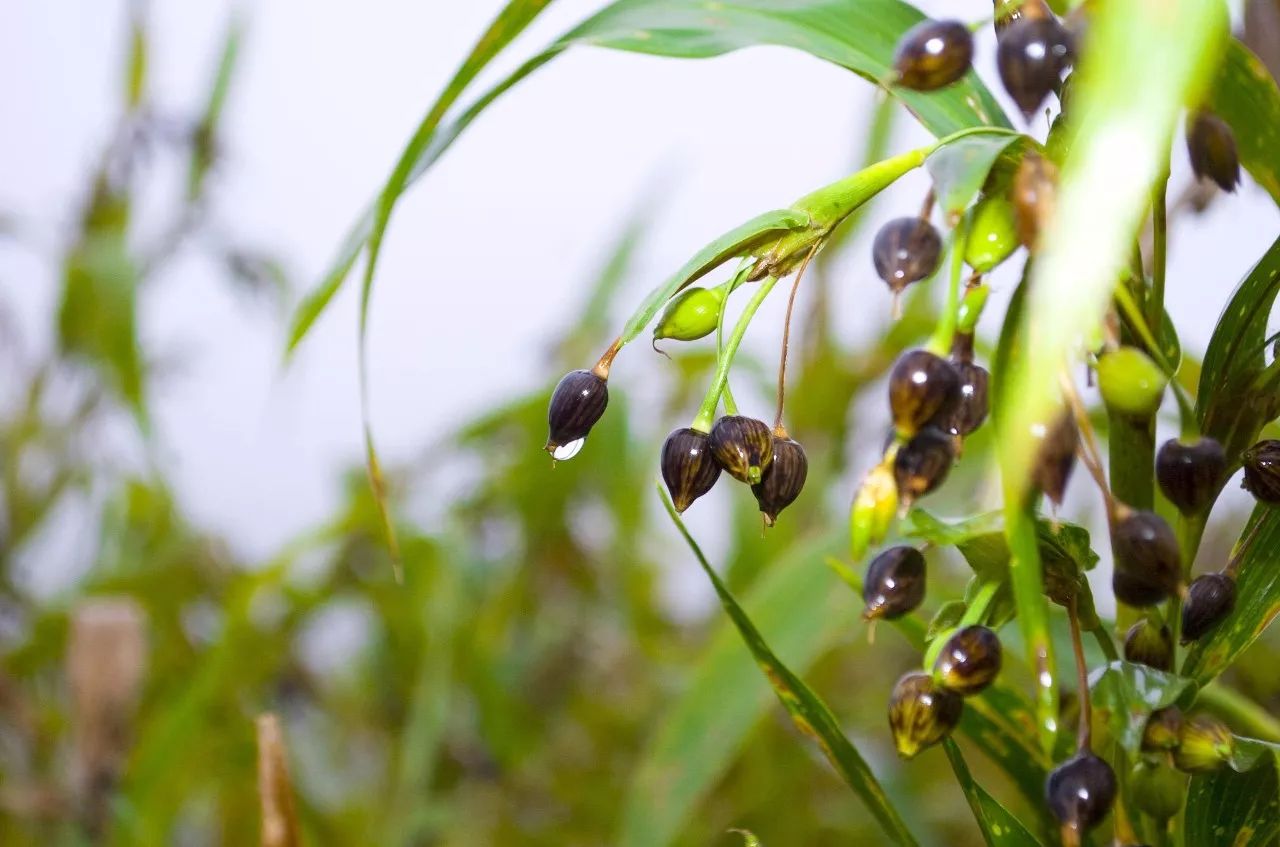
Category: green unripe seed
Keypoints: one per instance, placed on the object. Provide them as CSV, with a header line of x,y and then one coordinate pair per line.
x,y
993,234
1131,384
690,315
1157,789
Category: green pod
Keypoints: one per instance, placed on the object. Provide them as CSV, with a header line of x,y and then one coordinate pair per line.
x,y
993,234
1157,789
1131,384
691,314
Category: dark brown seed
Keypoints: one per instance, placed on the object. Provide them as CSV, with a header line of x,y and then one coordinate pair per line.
x,y
1151,644
921,713
906,250
922,386
922,464
1031,57
1080,791
895,583
743,446
1262,470
1162,729
933,55
970,410
577,403
688,468
1056,456
783,481
1190,474
1034,195
1148,566
1212,148
1211,598
1004,15
969,661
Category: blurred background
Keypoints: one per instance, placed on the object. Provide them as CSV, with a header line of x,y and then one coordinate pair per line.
x,y
180,498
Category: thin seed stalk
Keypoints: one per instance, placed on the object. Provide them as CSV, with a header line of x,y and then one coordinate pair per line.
x,y
707,412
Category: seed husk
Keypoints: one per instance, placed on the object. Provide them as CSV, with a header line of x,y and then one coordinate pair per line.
x,y
895,583
933,54
1212,147
1151,644
1035,196
922,387
1204,744
688,468
1211,598
906,250
1162,730
1148,565
784,480
921,713
1262,470
922,464
969,661
1189,474
1080,791
743,446
576,404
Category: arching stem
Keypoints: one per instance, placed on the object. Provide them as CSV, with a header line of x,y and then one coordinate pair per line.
x,y
786,341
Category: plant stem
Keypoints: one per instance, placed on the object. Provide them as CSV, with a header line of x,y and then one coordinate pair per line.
x,y
1239,711
1084,735
944,334
1159,256
730,405
1088,449
786,340
1108,646
707,412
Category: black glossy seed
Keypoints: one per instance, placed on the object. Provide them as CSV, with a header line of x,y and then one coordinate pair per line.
x,y
970,410
921,713
969,661
783,481
1031,57
688,468
1148,566
1151,644
1056,456
577,403
1190,474
1009,11
1210,600
1212,147
933,55
922,387
895,583
906,250
743,446
922,464
1080,791
1262,470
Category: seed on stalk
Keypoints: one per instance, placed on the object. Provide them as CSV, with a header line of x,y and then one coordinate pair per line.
x,y
971,408
688,468
921,713
1204,744
922,386
873,509
1262,470
895,583
1034,195
993,234
922,464
692,314
1151,644
1031,56
969,661
1212,147
577,403
1189,474
932,55
1148,565
1210,600
1162,729
743,446
1056,456
906,250
1157,789
784,480
1080,791
1131,384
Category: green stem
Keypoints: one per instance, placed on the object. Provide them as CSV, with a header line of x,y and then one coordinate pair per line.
x,y
1240,712
977,610
1108,646
944,334
730,405
1159,252
707,412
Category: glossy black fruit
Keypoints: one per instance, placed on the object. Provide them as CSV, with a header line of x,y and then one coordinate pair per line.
x,y
1212,147
1031,57
1056,456
1262,470
1210,600
922,464
970,410
1009,11
1189,474
895,583
743,446
921,713
688,468
1080,791
577,403
1151,644
922,387
784,480
933,55
1148,565
906,250
969,661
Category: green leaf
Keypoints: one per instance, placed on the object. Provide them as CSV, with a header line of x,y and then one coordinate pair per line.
x,y
1245,95
1001,722
1128,693
1231,809
1236,395
1257,601
999,827
809,713
960,169
204,144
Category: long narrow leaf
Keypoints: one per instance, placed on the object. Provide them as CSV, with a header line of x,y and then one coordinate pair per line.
x,y
998,825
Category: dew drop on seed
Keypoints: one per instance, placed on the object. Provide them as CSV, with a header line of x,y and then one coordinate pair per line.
x,y
567,451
